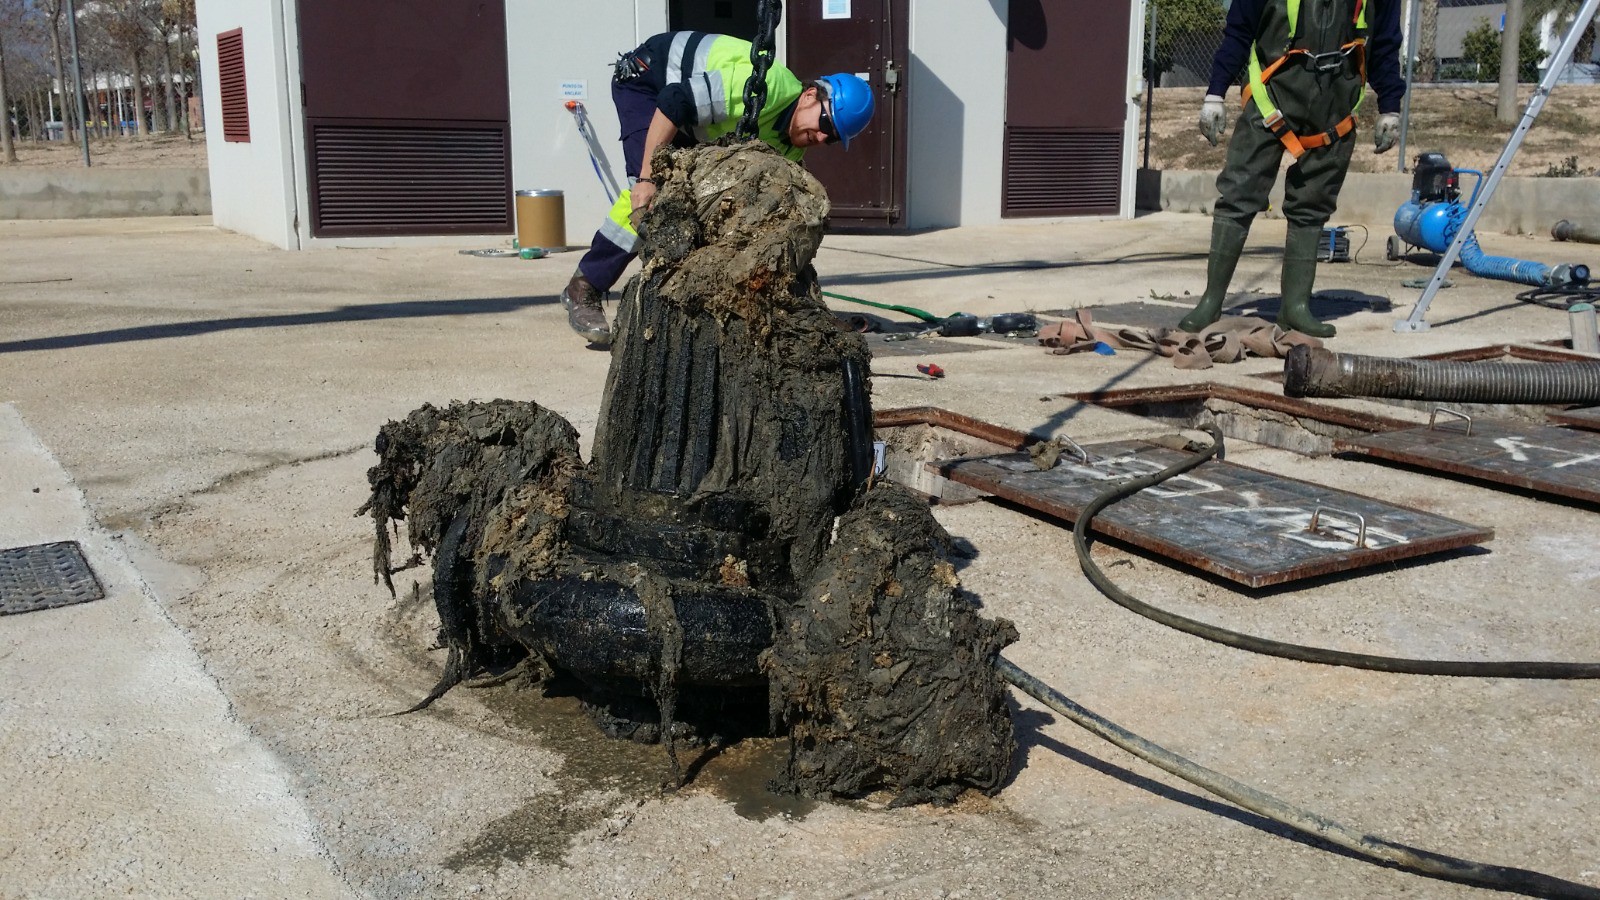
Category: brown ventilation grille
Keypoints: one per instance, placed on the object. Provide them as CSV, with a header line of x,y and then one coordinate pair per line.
x,y
230,78
409,178
1057,172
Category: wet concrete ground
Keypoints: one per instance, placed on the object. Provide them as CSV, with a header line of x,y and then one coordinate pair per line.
x,y
214,400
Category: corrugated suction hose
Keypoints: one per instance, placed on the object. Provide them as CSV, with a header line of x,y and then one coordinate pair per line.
x,y
1317,372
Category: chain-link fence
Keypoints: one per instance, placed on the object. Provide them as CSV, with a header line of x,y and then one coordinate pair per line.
x,y
1453,50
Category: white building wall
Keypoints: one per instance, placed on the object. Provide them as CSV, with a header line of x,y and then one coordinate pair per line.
x,y
955,89
552,42
253,185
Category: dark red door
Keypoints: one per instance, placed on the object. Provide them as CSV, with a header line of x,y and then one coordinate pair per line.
x,y
1066,107
408,111
866,184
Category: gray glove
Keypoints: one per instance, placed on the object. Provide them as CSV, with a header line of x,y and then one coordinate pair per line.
x,y
1213,119
1387,132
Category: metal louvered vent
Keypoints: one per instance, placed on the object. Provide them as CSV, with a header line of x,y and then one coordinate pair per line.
x,y
1057,172
401,178
230,81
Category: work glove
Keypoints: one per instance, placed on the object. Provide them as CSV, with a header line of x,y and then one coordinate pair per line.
x,y
1213,119
643,194
1387,132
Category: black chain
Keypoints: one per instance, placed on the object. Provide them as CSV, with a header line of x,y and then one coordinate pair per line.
x,y
762,50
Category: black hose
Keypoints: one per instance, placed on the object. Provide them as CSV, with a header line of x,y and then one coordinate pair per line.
x,y
1561,297
1261,803
858,423
1265,646
1315,372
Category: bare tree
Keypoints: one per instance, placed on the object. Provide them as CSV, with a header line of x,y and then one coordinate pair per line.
x,y
52,10
1505,108
17,39
164,30
8,149
123,23
1428,42
182,14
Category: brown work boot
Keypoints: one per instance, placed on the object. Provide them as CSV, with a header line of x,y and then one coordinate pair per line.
x,y
584,311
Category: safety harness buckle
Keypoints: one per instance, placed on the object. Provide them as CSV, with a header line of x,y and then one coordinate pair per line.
x,y
1274,122
1332,61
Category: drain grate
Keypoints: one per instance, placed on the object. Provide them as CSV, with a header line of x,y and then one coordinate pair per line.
x,y
45,576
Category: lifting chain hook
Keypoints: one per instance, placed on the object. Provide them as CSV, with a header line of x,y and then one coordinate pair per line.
x,y
762,50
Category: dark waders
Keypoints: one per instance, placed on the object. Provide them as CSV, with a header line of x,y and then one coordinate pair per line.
x,y
1311,193
1314,91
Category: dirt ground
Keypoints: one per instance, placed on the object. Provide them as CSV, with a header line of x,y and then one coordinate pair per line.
x,y
221,413
155,152
1456,119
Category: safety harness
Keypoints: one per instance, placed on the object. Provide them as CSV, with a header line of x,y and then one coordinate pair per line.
x,y
1321,62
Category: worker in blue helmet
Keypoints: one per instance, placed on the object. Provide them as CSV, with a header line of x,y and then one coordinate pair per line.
x,y
684,88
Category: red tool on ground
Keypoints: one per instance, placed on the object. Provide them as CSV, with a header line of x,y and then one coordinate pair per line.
x,y
932,370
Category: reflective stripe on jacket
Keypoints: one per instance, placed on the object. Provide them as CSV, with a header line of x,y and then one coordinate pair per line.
x,y
714,70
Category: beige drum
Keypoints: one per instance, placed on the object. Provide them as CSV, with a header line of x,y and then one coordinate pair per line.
x,y
541,219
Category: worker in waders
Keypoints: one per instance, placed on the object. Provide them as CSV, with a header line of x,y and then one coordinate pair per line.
x,y
1308,63
684,88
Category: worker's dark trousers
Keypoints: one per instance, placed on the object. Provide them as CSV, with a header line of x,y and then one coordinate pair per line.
x,y
1311,186
605,262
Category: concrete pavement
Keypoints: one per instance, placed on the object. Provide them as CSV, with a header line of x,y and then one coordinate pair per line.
x,y
214,401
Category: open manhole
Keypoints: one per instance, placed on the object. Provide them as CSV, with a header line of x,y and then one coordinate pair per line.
x,y
916,436
1580,418
1270,420
45,576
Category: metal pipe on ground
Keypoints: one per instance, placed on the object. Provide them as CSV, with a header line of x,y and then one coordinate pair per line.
x,y
1316,372
1585,332
1582,232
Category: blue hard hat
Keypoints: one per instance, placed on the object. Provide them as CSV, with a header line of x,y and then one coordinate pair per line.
x,y
849,103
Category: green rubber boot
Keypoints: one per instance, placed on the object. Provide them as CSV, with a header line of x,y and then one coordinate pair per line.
x,y
1227,242
1299,273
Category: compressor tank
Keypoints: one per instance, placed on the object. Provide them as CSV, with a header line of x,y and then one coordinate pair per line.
x,y
1429,225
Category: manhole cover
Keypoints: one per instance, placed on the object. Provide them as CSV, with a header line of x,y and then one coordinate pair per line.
x,y
45,576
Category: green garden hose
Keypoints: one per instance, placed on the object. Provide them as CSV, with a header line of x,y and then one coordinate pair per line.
x,y
922,314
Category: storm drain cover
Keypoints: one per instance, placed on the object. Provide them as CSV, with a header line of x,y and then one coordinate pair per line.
x,y
45,576
1250,526
1540,458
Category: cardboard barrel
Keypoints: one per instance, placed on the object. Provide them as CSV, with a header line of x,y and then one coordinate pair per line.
x,y
541,219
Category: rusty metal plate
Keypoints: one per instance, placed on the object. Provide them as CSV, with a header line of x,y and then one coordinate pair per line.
x,y
1540,458
1243,524
45,576
1582,418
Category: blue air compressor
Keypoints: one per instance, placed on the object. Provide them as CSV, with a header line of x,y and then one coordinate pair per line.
x,y
1434,214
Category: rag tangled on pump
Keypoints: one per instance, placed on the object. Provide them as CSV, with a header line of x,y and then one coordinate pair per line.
x,y
726,542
